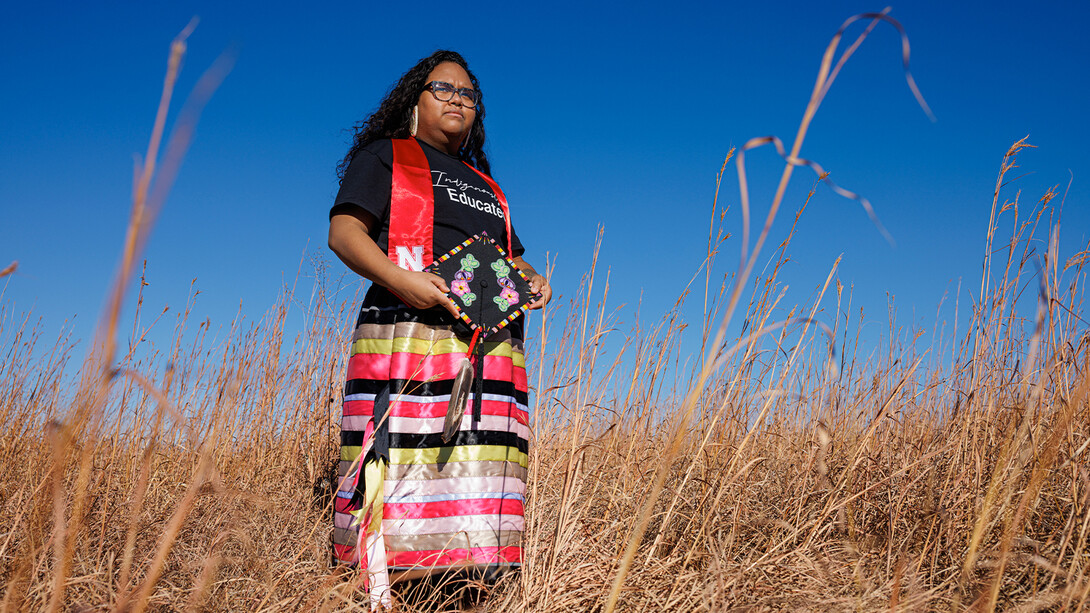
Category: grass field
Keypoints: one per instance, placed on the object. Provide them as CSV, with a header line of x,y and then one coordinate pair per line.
x,y
776,470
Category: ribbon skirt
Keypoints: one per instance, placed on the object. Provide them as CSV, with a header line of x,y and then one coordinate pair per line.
x,y
404,495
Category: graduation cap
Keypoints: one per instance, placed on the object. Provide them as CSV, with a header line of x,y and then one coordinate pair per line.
x,y
488,292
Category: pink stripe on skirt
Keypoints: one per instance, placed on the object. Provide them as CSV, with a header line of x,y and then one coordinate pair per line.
x,y
415,367
436,406
447,508
451,557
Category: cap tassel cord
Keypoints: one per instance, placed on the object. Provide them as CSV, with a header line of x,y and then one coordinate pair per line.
x,y
459,391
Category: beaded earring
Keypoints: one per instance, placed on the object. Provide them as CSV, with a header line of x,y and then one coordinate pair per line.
x,y
413,122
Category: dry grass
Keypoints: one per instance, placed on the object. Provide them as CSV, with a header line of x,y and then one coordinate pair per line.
x,y
767,473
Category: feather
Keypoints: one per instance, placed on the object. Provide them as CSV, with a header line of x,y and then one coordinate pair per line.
x,y
459,393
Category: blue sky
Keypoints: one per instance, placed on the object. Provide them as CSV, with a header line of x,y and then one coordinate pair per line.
x,y
596,116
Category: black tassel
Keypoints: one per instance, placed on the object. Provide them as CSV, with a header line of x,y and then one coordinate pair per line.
x,y
479,399
478,350
382,424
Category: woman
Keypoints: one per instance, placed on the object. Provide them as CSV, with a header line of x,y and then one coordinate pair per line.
x,y
413,186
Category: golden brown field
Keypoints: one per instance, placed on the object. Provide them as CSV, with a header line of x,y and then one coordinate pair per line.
x,y
777,470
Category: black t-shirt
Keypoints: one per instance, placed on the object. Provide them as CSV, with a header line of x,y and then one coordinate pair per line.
x,y
464,204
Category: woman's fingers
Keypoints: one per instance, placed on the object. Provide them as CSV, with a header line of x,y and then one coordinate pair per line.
x,y
540,285
422,290
444,300
438,282
441,298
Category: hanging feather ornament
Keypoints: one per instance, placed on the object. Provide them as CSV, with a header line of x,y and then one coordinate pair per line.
x,y
459,394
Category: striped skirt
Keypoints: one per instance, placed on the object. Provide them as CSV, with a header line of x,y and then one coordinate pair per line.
x,y
407,501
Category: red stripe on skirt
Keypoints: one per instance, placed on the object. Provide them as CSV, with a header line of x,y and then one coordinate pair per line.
x,y
368,366
405,408
358,407
449,557
344,553
344,505
452,508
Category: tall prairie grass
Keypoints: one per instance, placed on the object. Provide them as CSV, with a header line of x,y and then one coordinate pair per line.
x,y
778,469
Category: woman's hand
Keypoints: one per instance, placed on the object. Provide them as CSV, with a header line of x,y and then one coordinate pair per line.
x,y
539,284
422,290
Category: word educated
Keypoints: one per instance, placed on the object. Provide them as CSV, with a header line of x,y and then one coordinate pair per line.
x,y
456,191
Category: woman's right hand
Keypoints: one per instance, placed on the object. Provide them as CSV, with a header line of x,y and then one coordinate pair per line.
x,y
422,290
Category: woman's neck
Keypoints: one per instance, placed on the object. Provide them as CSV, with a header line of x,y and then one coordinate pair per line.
x,y
448,147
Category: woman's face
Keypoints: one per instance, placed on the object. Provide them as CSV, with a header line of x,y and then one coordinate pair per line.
x,y
444,125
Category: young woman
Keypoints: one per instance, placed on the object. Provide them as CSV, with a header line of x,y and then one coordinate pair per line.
x,y
414,185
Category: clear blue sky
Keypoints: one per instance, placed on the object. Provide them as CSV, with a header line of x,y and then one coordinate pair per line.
x,y
596,115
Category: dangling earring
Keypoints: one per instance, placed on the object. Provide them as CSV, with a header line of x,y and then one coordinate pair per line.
x,y
412,123
465,141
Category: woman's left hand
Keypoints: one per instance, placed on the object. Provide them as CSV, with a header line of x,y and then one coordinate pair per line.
x,y
539,284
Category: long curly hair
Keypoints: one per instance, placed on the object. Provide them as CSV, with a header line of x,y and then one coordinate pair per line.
x,y
391,120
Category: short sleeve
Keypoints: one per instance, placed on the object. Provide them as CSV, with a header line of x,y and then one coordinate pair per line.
x,y
366,183
516,245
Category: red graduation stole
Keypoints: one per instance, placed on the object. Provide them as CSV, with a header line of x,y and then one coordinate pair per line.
x,y
412,207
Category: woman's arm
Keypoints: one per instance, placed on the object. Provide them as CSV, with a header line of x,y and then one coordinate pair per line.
x,y
538,283
350,239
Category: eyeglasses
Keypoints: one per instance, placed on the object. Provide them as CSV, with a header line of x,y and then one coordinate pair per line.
x,y
444,92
